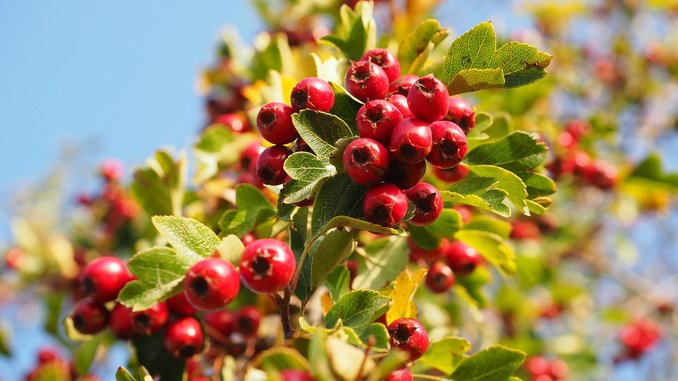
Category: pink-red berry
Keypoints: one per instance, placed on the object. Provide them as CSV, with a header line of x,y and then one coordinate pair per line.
x,y
440,277
411,141
250,155
121,322
103,278
312,93
460,112
180,305
184,338
403,84
235,121
270,165
463,259
385,205
427,201
400,102
147,322
366,81
386,60
274,122
211,284
366,161
89,317
267,265
296,375
432,255
428,99
376,120
403,374
404,175
219,325
449,144
247,321
409,335
450,175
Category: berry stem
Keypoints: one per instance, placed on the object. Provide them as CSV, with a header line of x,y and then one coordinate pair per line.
x,y
419,376
285,318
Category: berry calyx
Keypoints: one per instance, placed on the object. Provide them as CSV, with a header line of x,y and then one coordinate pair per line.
x,y
427,201
366,81
411,141
440,277
89,317
183,337
449,144
463,259
366,161
400,102
312,93
428,99
385,205
404,175
410,336
385,60
376,120
211,284
103,278
247,321
180,305
403,84
270,165
460,112
267,265
274,122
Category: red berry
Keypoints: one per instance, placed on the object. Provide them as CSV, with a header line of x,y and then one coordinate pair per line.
x,y
600,174
47,355
122,322
89,317
250,155
104,277
385,205
296,375
450,175
235,121
180,305
151,320
366,161
460,112
366,81
427,201
211,284
428,99
403,84
410,336
432,255
524,230
403,374
219,325
248,238
405,176
578,128
111,170
411,140
270,165
247,321
400,102
386,60
449,144
440,277
312,93
184,338
267,265
463,259
274,122
376,120
301,146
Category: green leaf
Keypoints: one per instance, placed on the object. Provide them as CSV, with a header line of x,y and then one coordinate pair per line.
x,y
651,169
5,349
123,374
338,282
152,355
469,80
253,208
86,352
446,354
522,63
320,130
345,106
478,192
428,237
507,181
492,247
218,147
298,231
379,334
385,258
490,224
159,187
516,152
338,196
355,32
472,50
280,358
346,221
188,236
230,249
417,42
333,249
357,309
496,363
537,184
309,173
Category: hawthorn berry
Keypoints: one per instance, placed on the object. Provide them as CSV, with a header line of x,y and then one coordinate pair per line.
x,y
366,80
103,278
431,255
219,325
440,277
48,354
274,122
403,374
301,146
312,93
376,120
248,238
267,265
450,175
405,176
400,102
270,165
460,112
247,321
89,317
183,337
386,60
235,121
211,284
411,141
250,155
180,305
385,205
427,201
111,170
640,336
122,322
150,320
463,259
428,99
296,375
410,336
403,84
366,161
449,144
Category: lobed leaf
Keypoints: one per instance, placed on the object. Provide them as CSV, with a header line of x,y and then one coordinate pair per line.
x,y
496,363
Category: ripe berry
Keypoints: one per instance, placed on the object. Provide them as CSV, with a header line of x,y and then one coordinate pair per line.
x,y
151,320
296,375
301,146
428,99
460,112
111,170
411,140
247,321
450,175
600,174
428,203
184,338
386,60
410,336
274,122
403,374
462,259
219,325
439,278
403,84
449,144
376,120
400,102
211,284
366,161
122,322
236,122
89,317
366,81
432,255
103,278
267,265
270,165
405,176
180,305
385,205
248,238
312,93
250,155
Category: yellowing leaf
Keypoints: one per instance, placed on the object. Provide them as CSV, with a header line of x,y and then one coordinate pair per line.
x,y
405,286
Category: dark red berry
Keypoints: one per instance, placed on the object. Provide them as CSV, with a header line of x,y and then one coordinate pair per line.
x,y
211,284
47,355
400,102
600,174
428,99
376,120
301,146
121,322
432,255
103,278
366,81
411,141
405,176
386,60
524,230
151,320
403,374
267,265
247,321
296,375
439,278
270,165
180,305
463,259
274,122
427,201
250,155
410,336
450,175
460,112
89,317
236,122
219,325
403,84
449,144
184,337
366,161
385,205
312,93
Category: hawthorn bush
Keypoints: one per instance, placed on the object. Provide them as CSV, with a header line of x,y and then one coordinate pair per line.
x,y
350,216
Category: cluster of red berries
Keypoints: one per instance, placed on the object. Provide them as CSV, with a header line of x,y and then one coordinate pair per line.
x,y
51,364
545,369
638,338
